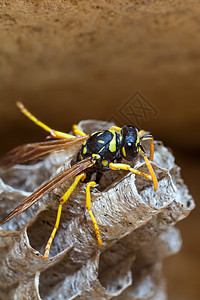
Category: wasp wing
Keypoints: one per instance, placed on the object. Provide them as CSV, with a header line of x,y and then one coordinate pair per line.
x,y
25,153
49,186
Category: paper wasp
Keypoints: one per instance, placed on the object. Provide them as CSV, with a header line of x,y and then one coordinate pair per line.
x,y
100,152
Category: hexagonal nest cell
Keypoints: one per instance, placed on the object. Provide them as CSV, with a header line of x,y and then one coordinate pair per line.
x,y
136,225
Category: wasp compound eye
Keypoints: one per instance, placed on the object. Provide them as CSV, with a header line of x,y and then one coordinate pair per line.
x,y
129,144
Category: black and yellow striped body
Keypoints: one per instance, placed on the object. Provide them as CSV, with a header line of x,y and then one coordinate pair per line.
x,y
103,146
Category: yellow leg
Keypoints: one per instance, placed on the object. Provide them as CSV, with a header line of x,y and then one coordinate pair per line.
x,y
151,171
119,166
47,248
63,200
149,137
77,131
118,129
115,166
54,133
88,207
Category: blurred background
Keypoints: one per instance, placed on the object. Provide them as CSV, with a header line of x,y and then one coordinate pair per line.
x,y
132,62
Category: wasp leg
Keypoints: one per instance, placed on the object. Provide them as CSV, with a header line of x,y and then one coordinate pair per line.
x,y
63,200
77,131
118,129
115,166
149,137
54,133
88,207
119,166
151,171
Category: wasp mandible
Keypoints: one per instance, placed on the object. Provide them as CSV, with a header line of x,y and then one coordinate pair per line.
x,y
100,152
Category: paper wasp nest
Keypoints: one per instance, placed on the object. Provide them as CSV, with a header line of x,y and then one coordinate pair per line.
x,y
136,225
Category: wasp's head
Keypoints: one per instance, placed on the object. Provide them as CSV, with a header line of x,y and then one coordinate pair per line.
x,y
129,142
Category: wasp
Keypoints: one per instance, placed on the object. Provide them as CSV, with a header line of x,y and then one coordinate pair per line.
x,y
99,152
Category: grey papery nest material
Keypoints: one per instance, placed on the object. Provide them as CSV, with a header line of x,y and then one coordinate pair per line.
x,y
136,225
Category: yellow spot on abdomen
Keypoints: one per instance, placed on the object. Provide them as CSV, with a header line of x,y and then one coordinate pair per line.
x,y
84,150
100,141
104,163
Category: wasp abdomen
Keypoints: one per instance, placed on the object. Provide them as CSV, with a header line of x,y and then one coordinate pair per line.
x,y
102,146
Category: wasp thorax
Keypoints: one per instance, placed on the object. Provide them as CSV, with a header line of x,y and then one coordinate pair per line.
x,y
129,143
